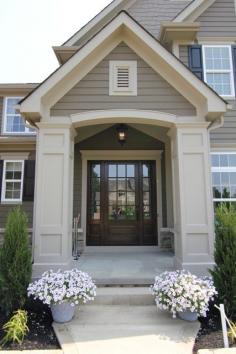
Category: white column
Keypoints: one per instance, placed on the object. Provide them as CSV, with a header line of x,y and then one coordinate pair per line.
x,y
53,197
193,207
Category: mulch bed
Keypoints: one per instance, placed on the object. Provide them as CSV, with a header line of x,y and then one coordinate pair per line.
x,y
41,334
210,334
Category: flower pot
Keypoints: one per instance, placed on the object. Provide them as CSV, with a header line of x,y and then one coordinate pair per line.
x,y
62,312
188,316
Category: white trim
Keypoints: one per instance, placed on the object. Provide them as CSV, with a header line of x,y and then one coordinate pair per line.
x,y
136,155
5,115
193,10
4,180
228,71
14,156
223,169
99,17
114,66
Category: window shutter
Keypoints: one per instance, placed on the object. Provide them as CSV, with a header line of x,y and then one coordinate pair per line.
x,y
29,177
234,62
1,176
195,60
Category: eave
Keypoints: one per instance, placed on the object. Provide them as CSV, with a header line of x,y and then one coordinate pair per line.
x,y
17,88
63,53
172,31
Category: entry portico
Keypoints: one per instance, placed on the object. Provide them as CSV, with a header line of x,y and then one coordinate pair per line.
x,y
185,137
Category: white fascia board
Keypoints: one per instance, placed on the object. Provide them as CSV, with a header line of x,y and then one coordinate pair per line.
x,y
193,10
71,41
34,101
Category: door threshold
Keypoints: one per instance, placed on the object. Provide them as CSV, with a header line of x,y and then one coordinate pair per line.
x,y
118,249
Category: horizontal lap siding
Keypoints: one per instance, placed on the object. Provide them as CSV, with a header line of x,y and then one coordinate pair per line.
x,y
92,93
150,13
6,208
183,54
227,133
219,20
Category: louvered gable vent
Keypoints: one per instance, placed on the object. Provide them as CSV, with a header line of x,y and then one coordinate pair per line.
x,y
123,78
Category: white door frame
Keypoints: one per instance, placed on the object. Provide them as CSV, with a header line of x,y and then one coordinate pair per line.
x,y
136,155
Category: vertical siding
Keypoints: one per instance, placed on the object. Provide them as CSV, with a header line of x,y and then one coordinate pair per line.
x,y
92,93
219,20
183,54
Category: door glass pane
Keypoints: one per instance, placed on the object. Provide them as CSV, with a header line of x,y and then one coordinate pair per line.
x,y
121,170
145,170
146,212
96,171
112,184
122,198
130,170
112,198
130,198
146,184
146,198
112,171
95,213
130,184
130,213
121,184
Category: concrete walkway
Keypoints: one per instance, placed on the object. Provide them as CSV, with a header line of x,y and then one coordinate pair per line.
x,y
124,265
122,328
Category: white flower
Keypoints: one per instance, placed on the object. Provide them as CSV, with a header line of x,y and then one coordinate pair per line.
x,y
72,286
181,290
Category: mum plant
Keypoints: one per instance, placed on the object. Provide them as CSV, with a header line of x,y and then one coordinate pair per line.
x,y
71,286
181,291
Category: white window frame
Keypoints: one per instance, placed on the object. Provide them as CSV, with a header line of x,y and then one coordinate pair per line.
x,y
228,71
4,180
118,91
223,169
26,132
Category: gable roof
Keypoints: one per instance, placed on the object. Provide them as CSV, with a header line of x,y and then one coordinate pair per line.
x,y
193,10
121,28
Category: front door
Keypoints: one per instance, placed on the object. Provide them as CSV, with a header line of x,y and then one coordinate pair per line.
x,y
121,203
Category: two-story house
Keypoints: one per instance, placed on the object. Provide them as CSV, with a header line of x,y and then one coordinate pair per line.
x,y
135,133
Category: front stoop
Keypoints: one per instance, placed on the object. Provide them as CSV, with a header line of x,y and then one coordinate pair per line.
x,y
125,320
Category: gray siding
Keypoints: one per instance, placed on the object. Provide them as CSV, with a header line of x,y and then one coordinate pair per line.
x,y
150,13
107,140
227,133
5,208
183,54
219,20
92,93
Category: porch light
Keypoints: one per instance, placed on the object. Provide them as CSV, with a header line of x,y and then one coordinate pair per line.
x,y
122,133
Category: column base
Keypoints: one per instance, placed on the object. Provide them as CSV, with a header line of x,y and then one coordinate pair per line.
x,y
199,269
40,268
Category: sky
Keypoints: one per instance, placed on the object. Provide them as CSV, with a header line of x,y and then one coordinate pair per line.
x,y
29,29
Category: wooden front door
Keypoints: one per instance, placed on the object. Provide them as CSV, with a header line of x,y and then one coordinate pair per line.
x,y
121,203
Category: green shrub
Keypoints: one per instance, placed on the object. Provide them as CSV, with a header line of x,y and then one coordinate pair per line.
x,y
15,262
16,328
224,272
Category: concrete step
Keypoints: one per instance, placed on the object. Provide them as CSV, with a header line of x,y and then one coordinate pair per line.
x,y
133,296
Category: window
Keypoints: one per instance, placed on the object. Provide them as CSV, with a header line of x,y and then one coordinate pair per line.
x,y
224,178
13,122
218,69
123,78
12,184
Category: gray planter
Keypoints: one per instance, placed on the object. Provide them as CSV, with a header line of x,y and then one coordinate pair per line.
x,y
188,316
62,312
